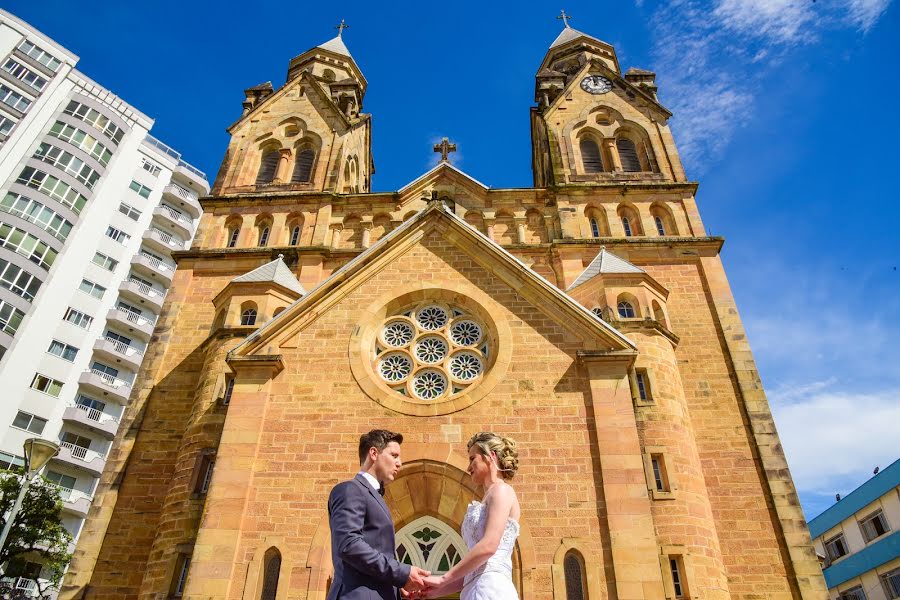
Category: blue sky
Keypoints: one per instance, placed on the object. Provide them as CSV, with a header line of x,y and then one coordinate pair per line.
x,y
784,112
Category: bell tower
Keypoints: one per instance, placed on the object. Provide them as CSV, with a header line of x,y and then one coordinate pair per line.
x,y
308,135
592,124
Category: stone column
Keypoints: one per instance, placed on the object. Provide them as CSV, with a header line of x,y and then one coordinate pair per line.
x,y
366,225
613,153
282,173
520,229
336,230
633,543
489,224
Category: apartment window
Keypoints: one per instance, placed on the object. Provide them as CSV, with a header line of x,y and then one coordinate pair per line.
x,y
96,119
13,99
25,75
836,547
229,390
76,440
8,462
102,260
10,318
129,308
87,402
78,318
62,350
35,212
18,281
142,190
45,384
81,140
129,211
53,187
117,235
854,593
39,55
874,526
642,383
89,287
151,167
27,245
676,567
69,163
6,125
29,422
99,367
182,564
890,581
660,477
65,482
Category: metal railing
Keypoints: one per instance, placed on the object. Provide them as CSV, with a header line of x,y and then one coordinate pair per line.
x,y
182,192
110,380
145,289
192,169
81,453
175,215
134,317
157,263
167,238
70,495
123,348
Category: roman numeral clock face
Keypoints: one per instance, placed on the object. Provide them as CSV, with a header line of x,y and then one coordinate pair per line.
x,y
595,84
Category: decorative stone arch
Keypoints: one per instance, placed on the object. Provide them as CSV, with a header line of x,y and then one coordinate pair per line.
x,y
659,313
591,571
294,229
381,226
351,175
637,135
262,223
662,215
249,312
476,220
267,166
597,223
410,214
233,225
254,584
630,220
351,234
535,227
633,301
589,154
306,155
504,228
291,127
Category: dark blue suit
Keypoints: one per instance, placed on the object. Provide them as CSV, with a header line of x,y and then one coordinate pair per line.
x,y
362,544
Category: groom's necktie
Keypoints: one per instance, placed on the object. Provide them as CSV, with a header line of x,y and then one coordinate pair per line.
x,y
381,489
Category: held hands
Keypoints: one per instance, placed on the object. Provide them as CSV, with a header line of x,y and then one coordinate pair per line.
x,y
415,584
431,588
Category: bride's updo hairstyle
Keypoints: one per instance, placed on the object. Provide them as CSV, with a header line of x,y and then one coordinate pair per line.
x,y
503,447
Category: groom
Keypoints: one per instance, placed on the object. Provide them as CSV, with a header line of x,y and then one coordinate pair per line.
x,y
362,531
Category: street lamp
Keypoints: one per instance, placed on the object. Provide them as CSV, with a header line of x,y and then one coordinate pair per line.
x,y
38,453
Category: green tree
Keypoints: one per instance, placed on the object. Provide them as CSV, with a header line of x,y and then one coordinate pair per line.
x,y
36,536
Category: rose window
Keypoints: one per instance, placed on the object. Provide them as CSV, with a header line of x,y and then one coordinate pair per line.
x,y
431,351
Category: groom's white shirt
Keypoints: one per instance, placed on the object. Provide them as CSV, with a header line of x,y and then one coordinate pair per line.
x,y
371,479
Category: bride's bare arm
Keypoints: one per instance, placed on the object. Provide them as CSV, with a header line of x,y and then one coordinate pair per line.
x,y
498,508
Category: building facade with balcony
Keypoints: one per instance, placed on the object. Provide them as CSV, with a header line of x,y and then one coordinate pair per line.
x,y
859,540
91,208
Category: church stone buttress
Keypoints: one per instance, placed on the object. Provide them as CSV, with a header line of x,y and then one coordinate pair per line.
x,y
589,317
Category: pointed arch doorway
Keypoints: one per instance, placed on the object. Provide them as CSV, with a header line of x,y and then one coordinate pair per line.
x,y
431,544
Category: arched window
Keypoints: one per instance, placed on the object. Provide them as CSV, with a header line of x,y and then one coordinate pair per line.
x,y
626,310
597,311
233,233
595,228
628,155
267,167
295,235
263,235
303,166
248,317
590,156
660,227
574,572
626,225
431,544
271,572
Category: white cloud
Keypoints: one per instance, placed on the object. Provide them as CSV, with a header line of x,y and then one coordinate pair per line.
x,y
781,20
833,439
864,13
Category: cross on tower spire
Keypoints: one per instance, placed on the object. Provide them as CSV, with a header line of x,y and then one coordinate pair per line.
x,y
341,27
445,148
565,18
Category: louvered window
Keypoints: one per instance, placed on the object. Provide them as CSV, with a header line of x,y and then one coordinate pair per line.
x,y
303,166
628,155
590,156
267,167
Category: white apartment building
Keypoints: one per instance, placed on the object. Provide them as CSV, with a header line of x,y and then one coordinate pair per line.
x,y
91,207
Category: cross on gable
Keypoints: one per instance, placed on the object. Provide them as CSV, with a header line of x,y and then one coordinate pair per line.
x,y
341,27
565,18
445,148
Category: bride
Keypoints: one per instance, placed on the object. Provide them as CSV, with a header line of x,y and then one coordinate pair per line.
x,y
489,529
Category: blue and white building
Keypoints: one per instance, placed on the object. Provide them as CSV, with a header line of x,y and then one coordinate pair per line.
x,y
859,540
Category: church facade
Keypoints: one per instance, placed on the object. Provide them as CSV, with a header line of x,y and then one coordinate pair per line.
x,y
588,317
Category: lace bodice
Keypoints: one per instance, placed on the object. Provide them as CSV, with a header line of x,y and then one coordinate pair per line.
x,y
473,530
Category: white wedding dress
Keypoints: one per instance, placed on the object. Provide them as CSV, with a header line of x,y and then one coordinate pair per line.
x,y
493,579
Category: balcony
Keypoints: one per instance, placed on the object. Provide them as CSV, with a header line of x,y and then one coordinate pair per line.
x,y
151,266
75,502
81,458
132,322
183,198
24,588
143,294
109,387
159,240
95,420
113,350
180,223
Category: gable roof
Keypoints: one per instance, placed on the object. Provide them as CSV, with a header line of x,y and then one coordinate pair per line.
x,y
605,262
567,311
568,34
275,272
337,46
433,173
